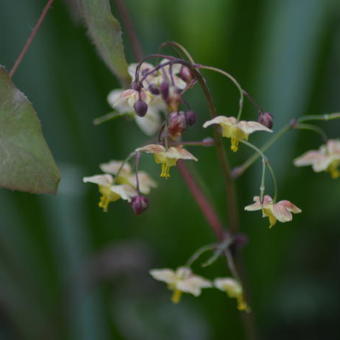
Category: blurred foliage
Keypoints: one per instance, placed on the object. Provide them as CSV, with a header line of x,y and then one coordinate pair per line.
x,y
69,271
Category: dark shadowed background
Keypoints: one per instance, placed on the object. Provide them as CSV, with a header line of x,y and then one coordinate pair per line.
x,y
70,271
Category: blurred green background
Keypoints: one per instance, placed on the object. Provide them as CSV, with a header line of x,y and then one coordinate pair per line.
x,y
69,271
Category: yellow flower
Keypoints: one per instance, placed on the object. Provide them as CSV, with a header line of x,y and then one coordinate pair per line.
x,y
167,157
236,130
126,176
181,280
327,158
234,290
110,192
280,211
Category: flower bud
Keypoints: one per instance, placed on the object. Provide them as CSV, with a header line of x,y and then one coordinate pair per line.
x,y
266,119
154,89
185,74
164,89
139,204
176,124
190,118
140,107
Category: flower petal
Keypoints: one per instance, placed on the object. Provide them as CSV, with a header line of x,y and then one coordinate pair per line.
x,y
125,191
165,275
150,123
105,180
112,167
250,126
221,120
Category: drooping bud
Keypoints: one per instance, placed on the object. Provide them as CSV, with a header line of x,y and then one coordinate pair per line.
x,y
139,204
164,89
185,74
190,118
176,124
140,107
266,119
154,89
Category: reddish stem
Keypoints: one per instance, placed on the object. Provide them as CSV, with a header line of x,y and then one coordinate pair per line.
x,y
207,209
30,38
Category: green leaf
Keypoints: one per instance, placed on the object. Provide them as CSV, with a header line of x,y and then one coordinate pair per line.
x,y
105,31
26,163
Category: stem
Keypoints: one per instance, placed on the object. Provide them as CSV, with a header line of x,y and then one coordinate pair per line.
x,y
314,128
236,83
30,38
206,208
123,163
265,162
198,253
179,47
130,30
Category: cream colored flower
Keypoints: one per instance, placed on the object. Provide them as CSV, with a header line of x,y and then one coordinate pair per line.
x,y
124,100
327,158
181,280
167,157
233,289
236,130
126,176
280,211
110,192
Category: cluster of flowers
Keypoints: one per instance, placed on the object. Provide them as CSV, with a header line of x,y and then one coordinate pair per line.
x,y
182,280
156,92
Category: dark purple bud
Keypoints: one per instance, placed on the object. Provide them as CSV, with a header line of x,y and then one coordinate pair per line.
x,y
266,119
190,118
154,89
185,74
140,107
164,89
139,204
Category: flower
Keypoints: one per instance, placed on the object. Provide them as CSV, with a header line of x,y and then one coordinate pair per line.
x,y
181,280
110,192
167,157
327,158
126,176
124,100
280,211
233,289
236,130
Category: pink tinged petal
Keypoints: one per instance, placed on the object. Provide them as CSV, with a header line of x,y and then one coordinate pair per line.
x,y
281,213
125,191
221,120
179,153
144,67
289,206
308,158
333,146
104,180
146,183
152,148
165,275
267,201
249,127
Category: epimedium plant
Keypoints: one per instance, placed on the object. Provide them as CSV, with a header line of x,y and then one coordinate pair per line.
x,y
156,100
153,93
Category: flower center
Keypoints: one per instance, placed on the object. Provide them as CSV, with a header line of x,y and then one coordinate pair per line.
x,y
333,169
166,164
176,296
106,197
272,219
